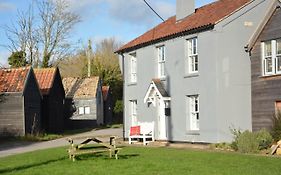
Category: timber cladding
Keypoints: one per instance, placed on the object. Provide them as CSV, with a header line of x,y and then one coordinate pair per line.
x,y
266,91
11,115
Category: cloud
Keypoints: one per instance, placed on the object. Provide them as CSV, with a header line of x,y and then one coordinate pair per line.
x,y
5,6
137,13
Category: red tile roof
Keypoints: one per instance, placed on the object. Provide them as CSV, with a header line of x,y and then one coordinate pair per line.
x,y
45,78
13,80
105,90
203,19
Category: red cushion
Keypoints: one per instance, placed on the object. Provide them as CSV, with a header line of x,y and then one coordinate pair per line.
x,y
135,130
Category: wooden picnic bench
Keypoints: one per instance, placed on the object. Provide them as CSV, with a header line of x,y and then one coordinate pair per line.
x,y
75,150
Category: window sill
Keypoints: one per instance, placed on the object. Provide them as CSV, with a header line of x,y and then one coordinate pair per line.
x,y
193,132
271,75
162,78
132,84
191,75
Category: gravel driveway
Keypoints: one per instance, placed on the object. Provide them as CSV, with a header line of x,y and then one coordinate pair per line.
x,y
12,148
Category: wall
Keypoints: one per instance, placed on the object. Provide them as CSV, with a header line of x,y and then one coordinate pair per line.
x,y
11,115
265,89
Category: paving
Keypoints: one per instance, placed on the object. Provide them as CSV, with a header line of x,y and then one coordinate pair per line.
x,y
17,147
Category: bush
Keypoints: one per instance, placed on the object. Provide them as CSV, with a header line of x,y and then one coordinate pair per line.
x,y
276,127
236,133
264,138
247,142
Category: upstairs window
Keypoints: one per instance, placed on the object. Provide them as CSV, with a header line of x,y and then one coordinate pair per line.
x,y
133,68
271,57
161,61
192,52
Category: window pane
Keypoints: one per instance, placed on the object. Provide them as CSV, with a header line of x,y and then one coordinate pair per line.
x,y
268,63
278,63
87,110
268,49
81,110
279,46
195,46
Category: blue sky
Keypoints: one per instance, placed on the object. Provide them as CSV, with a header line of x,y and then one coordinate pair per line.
x,y
122,19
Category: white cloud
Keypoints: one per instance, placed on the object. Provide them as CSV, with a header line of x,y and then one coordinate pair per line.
x,y
3,57
5,6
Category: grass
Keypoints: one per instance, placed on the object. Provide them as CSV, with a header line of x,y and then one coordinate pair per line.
x,y
147,161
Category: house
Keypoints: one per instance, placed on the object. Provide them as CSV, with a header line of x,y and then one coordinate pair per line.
x,y
51,87
20,106
83,102
107,104
265,51
190,74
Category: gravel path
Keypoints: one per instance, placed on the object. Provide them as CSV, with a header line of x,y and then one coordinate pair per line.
x,y
12,148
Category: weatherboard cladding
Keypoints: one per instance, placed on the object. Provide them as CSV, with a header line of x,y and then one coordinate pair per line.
x,y
203,19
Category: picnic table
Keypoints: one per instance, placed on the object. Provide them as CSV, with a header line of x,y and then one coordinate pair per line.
x,y
80,149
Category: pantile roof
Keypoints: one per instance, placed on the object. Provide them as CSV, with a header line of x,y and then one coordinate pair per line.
x,y
13,80
81,87
105,91
203,19
45,78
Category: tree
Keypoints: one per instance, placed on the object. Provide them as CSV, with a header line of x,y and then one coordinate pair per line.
x,y
57,22
17,59
105,64
47,35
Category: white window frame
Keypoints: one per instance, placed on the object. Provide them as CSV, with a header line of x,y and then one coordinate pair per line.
x,y
87,110
133,112
81,110
274,57
133,68
192,55
161,59
194,112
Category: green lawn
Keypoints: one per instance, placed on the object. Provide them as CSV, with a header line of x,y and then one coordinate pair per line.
x,y
144,161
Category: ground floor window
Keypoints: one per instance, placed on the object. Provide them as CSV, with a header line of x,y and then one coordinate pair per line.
x,y
84,110
193,112
133,112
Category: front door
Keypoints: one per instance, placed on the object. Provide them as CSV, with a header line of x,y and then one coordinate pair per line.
x,y
162,132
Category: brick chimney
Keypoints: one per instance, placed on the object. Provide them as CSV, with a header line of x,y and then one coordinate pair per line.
x,y
184,8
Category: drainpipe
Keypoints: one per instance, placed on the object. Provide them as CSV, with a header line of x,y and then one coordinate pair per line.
x,y
123,78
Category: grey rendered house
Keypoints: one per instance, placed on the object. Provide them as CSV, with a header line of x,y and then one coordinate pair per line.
x,y
83,102
190,75
20,103
265,50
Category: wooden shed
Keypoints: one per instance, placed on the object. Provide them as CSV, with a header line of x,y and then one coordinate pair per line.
x,y
107,104
51,87
84,102
20,105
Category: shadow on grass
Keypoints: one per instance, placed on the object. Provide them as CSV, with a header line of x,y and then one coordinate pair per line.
x,y
104,157
24,167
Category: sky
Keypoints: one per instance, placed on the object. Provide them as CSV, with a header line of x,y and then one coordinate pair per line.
x,y
121,19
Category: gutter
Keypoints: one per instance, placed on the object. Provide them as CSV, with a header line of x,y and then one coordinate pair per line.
x,y
168,37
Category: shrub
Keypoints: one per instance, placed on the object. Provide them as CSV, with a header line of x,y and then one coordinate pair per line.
x,y
264,138
276,127
236,133
247,142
